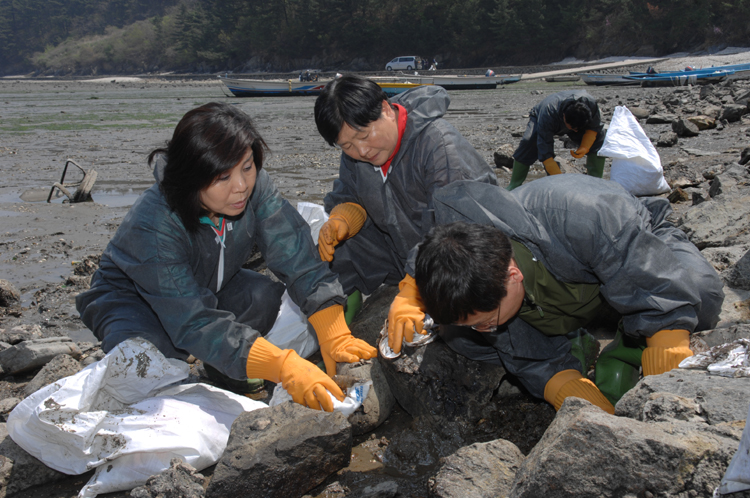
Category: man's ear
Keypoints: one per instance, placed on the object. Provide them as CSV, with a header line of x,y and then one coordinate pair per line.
x,y
387,111
514,274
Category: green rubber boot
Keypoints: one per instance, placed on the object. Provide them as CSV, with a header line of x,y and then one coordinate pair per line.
x,y
594,165
518,175
618,366
249,386
352,306
584,347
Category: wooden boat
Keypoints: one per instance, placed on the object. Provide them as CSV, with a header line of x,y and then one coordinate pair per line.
x,y
272,88
606,79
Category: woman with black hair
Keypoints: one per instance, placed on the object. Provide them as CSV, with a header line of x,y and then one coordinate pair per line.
x,y
173,274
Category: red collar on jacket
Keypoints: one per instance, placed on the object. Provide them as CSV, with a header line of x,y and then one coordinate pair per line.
x,y
401,128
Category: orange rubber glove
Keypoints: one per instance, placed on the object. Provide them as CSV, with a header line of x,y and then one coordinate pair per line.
x,y
406,315
337,344
551,166
665,350
571,383
305,382
586,142
344,222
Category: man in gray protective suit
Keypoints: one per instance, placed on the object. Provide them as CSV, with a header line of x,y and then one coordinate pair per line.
x,y
395,154
510,274
574,113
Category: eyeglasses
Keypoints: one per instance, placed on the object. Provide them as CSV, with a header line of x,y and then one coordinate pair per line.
x,y
487,326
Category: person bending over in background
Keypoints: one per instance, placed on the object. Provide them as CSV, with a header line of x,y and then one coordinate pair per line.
x,y
173,275
395,154
509,275
573,113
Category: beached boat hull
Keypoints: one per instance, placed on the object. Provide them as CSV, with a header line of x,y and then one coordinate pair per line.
x,y
272,88
682,78
607,79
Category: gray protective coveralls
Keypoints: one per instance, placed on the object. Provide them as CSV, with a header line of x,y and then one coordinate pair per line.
x,y
399,210
159,282
589,231
546,122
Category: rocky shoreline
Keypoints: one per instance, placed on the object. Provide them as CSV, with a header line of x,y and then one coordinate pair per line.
x,y
429,427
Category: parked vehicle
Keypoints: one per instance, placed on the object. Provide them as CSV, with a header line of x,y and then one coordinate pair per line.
x,y
407,62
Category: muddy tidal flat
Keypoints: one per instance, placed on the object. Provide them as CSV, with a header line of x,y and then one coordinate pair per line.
x,y
110,126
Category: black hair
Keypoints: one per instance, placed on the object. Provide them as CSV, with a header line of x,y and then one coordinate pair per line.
x,y
578,115
350,99
207,141
461,269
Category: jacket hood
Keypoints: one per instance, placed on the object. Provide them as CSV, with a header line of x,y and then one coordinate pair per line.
x,y
160,162
424,104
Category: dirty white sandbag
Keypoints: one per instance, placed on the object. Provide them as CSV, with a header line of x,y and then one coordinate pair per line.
x,y
737,476
291,329
731,359
124,415
635,163
355,396
315,215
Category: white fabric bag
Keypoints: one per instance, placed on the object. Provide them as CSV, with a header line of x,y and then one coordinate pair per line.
x,y
635,163
126,416
737,476
291,329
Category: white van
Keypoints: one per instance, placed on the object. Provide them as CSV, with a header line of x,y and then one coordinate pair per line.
x,y
407,62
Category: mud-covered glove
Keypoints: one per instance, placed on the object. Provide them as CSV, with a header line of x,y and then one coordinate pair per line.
x,y
305,382
337,344
344,221
551,166
406,315
571,383
665,350
586,142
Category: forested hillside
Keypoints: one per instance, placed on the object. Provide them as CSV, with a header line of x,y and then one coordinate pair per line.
x,y
135,36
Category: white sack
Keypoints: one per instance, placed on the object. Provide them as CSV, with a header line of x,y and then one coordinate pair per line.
x,y
291,329
737,476
124,416
635,163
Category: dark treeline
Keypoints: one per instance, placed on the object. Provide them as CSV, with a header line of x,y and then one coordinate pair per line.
x,y
131,36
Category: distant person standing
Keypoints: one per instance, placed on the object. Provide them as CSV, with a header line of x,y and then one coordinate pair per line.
x,y
434,65
573,113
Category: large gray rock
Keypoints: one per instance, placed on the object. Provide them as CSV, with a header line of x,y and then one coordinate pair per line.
x,y
705,398
684,128
19,470
281,451
35,353
9,295
503,156
722,222
482,470
20,333
588,453
639,112
739,275
379,401
435,384
62,365
724,335
733,112
667,139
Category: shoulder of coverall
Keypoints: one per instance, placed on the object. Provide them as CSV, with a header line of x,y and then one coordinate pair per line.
x,y
423,104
